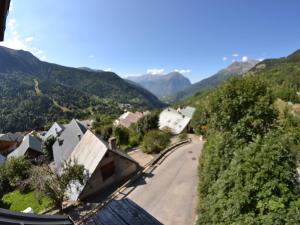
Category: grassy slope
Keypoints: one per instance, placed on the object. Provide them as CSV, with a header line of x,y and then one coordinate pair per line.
x,y
17,201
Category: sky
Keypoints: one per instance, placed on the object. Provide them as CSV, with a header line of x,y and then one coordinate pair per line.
x,y
134,37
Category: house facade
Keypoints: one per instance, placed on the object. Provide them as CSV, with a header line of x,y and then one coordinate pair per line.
x,y
105,166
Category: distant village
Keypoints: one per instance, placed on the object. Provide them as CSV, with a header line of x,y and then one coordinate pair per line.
x,y
77,142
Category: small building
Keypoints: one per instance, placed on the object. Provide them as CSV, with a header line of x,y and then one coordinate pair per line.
x,y
66,141
30,148
105,166
9,142
128,118
176,121
54,131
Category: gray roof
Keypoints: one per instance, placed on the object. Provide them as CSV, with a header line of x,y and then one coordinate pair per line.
x,y
54,130
187,111
12,137
123,212
29,142
69,138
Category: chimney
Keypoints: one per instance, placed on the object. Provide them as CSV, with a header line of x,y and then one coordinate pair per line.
x,y
60,141
112,142
57,133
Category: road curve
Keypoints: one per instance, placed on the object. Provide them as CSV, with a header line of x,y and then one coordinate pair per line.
x,y
169,190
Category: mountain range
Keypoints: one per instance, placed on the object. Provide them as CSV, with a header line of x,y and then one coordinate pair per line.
x,y
234,69
281,74
34,93
162,85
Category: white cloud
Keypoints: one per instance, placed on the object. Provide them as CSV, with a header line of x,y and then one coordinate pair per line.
x,y
244,58
39,52
155,71
261,59
91,56
11,7
29,39
184,71
11,24
234,60
108,70
15,41
235,54
224,58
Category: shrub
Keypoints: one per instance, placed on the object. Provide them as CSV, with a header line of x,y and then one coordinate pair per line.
x,y
183,136
47,148
48,183
147,123
17,170
122,135
155,141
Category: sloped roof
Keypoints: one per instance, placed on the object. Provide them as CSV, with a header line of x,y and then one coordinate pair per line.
x,y
69,138
17,218
129,118
123,212
173,120
29,142
89,152
54,130
11,137
187,111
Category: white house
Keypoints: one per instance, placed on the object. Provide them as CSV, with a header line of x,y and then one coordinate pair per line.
x,y
175,120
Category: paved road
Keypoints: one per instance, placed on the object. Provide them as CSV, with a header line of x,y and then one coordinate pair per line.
x,y
169,191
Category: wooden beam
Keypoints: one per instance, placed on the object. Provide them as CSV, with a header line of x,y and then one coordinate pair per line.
x,y
4,7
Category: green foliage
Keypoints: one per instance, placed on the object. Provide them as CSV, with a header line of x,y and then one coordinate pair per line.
x,y
147,123
183,136
248,165
47,148
121,134
243,106
259,186
47,182
18,201
155,141
73,172
16,171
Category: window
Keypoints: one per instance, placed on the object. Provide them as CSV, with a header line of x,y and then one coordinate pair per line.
x,y
107,170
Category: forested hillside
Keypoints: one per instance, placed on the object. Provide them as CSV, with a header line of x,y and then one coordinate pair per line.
x,y
34,93
283,75
248,169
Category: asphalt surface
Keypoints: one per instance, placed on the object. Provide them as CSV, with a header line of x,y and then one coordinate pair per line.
x,y
168,191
